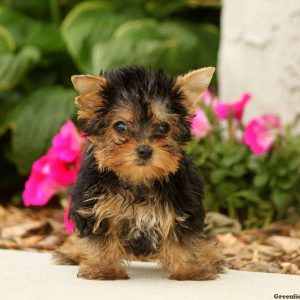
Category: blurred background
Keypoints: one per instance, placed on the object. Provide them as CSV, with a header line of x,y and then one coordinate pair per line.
x,y
43,43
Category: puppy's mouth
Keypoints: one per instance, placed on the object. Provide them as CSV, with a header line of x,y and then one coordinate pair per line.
x,y
143,162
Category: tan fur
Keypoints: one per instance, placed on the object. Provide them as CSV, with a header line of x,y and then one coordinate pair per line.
x,y
70,253
119,155
193,84
192,259
195,260
117,152
97,260
86,84
87,105
104,259
159,112
142,217
160,115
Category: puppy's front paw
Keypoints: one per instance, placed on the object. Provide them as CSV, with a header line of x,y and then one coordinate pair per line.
x,y
100,273
195,275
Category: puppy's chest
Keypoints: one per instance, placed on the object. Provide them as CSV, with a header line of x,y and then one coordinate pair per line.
x,y
142,214
140,220
141,230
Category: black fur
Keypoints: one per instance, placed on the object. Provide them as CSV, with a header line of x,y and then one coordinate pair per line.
x,y
181,190
137,87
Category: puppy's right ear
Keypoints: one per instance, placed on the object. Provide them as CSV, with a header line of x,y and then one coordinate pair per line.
x,y
89,100
85,84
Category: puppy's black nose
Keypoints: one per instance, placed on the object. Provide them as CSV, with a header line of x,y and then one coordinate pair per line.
x,y
144,151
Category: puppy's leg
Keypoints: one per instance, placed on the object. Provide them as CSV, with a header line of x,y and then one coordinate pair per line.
x,y
191,259
70,253
101,259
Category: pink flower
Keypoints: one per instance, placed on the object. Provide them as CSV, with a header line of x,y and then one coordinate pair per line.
x,y
40,187
200,125
235,110
210,99
69,223
57,169
65,173
260,133
67,144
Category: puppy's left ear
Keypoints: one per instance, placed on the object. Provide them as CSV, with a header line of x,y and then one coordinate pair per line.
x,y
194,83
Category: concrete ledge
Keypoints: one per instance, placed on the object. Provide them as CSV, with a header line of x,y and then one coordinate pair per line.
x,y
29,275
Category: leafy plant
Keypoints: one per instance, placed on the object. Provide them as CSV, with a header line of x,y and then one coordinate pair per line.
x,y
43,43
99,37
251,172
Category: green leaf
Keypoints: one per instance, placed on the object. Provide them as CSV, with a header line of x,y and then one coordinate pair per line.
x,y
282,200
99,39
107,55
87,24
217,175
36,120
145,29
33,8
208,35
232,154
150,43
260,180
294,163
282,171
7,42
211,3
156,9
8,100
254,164
246,196
289,181
13,67
30,32
225,189
238,171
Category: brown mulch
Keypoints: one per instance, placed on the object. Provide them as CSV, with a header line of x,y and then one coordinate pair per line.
x,y
39,229
275,249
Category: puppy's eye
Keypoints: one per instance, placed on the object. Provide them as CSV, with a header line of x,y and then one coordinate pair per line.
x,y
163,128
120,126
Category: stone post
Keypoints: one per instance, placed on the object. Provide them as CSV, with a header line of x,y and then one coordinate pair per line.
x,y
260,53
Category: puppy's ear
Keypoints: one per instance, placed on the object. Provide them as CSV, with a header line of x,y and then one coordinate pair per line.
x,y
89,99
194,83
85,84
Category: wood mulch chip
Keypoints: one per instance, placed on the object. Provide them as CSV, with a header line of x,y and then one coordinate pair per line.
x,y
39,229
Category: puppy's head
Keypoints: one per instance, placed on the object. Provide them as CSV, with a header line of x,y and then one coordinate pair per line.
x,y
138,120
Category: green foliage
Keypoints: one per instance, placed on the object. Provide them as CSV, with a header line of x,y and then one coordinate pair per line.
x,y
100,38
30,32
13,67
43,43
254,189
34,110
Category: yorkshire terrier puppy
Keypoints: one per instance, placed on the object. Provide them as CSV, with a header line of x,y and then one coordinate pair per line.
x,y
137,194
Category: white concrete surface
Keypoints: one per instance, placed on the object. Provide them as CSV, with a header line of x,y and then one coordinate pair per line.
x,y
260,53
26,275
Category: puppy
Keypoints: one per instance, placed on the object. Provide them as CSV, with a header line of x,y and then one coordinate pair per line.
x,y
137,194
